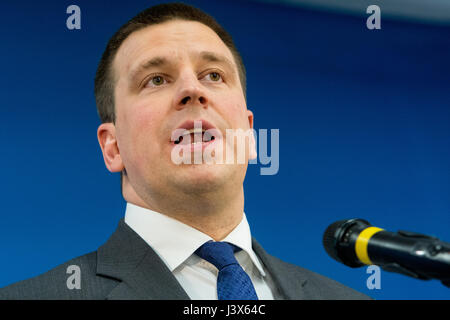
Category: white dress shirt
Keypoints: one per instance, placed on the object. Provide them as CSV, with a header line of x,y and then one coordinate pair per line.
x,y
176,242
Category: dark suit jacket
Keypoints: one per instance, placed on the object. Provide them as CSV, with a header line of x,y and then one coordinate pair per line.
x,y
126,267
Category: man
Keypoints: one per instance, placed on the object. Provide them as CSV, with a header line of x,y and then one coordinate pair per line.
x,y
167,76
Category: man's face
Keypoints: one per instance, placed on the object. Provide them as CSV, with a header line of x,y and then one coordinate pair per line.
x,y
167,74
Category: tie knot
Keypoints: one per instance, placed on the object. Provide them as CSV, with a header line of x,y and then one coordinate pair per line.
x,y
220,254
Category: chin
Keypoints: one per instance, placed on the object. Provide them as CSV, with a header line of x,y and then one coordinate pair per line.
x,y
204,177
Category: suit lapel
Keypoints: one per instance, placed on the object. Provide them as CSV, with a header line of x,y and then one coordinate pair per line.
x,y
143,275
290,283
128,258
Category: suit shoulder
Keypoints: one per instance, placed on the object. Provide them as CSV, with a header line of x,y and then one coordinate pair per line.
x,y
319,287
331,289
61,282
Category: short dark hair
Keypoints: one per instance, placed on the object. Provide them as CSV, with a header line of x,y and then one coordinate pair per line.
x,y
105,78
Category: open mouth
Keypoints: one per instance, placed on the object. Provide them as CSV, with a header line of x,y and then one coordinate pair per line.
x,y
195,136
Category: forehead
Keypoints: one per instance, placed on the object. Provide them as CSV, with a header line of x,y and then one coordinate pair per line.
x,y
174,39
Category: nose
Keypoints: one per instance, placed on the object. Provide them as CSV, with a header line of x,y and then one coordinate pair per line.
x,y
190,91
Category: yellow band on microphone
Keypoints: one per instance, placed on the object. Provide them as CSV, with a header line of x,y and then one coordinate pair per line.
x,y
361,244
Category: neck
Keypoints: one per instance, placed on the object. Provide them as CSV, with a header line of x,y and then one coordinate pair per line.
x,y
215,213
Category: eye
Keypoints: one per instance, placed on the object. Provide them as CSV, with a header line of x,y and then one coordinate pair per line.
x,y
156,81
214,76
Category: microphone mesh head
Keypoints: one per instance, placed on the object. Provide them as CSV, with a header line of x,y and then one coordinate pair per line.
x,y
339,240
331,237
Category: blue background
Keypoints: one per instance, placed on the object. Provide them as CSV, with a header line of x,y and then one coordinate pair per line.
x,y
363,115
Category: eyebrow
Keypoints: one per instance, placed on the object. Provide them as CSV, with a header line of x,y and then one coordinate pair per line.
x,y
162,61
152,63
214,57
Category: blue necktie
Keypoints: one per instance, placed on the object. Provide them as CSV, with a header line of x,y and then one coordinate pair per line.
x,y
232,282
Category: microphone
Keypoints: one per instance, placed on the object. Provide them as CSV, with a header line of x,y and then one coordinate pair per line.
x,y
355,242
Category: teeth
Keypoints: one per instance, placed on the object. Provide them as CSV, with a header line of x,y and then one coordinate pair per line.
x,y
207,136
194,130
181,138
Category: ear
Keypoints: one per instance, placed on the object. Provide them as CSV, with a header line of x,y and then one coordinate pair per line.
x,y
106,135
253,154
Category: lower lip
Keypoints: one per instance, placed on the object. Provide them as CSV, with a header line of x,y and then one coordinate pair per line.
x,y
195,146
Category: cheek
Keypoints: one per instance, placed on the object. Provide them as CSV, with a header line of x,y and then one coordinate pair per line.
x,y
143,139
236,114
233,109
145,127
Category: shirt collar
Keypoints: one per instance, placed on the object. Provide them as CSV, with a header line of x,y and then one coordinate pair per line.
x,y
175,241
